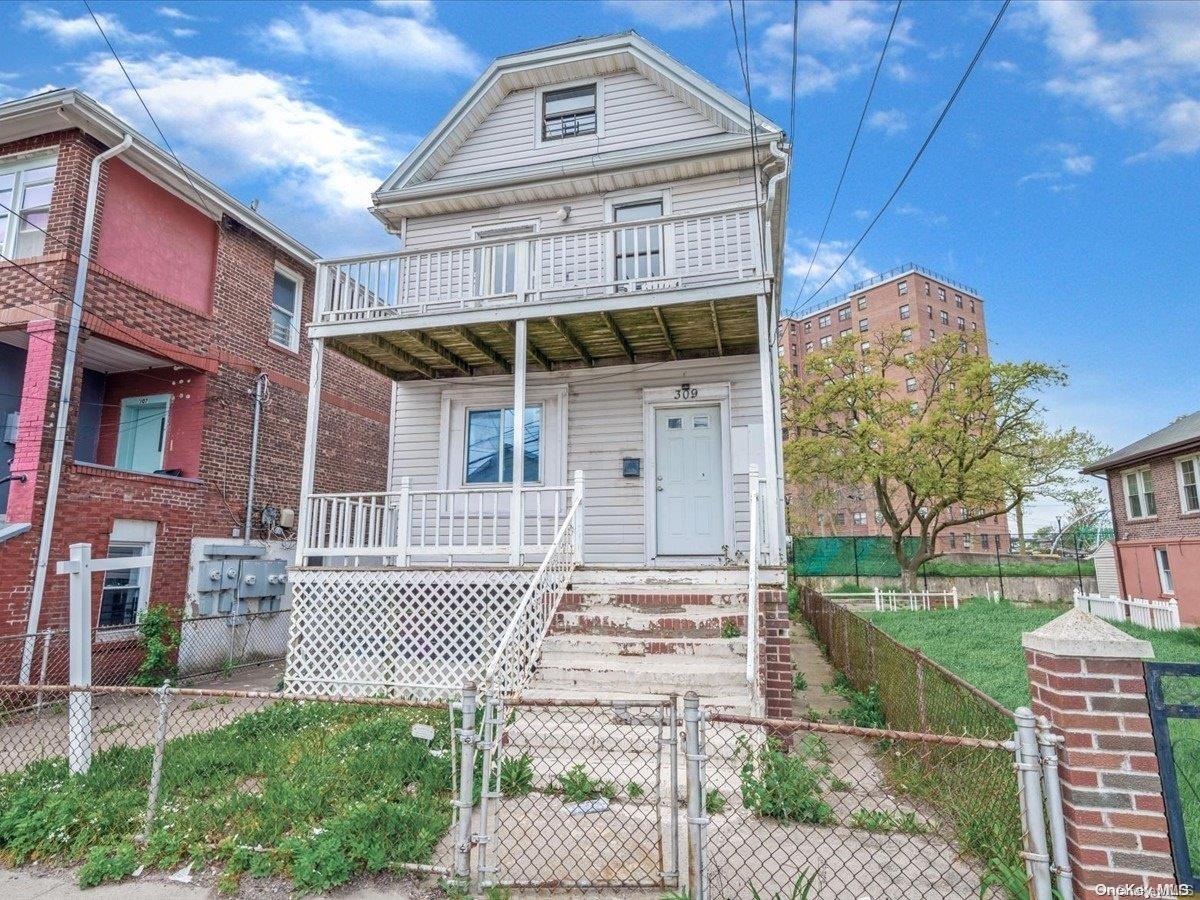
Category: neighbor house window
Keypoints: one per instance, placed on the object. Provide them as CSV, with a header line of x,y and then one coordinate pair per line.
x,y
839,518
1189,483
1139,494
950,538
1164,570
932,334
569,112
860,518
25,188
285,307
124,592
983,541
929,311
489,455
966,542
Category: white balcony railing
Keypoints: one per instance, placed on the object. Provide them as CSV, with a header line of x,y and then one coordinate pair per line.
x,y
563,264
405,525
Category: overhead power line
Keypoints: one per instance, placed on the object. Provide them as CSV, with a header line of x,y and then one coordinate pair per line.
x,y
920,152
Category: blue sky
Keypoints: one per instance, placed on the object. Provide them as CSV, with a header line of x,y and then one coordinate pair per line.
x,y
1063,185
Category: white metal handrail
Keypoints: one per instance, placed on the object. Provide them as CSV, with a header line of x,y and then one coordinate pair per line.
x,y
752,674
561,264
450,522
517,653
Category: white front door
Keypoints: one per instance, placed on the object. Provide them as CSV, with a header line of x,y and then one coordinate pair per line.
x,y
689,490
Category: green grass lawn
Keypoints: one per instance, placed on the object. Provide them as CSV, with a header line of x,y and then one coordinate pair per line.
x,y
1015,569
314,792
981,643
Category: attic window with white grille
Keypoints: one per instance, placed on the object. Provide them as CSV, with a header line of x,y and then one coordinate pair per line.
x,y
569,112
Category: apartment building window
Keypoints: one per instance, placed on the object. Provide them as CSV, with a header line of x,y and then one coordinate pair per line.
x,y
1189,483
962,324
864,346
974,326
945,317
860,518
942,294
569,112
823,322
862,324
844,332
862,302
795,369
966,542
839,518
808,345
972,304
795,350
927,289
902,287
285,305
844,314
904,311
932,334
826,342
1165,581
1139,494
808,325
910,385
958,300
929,310
25,187
908,359
792,327
906,334
950,539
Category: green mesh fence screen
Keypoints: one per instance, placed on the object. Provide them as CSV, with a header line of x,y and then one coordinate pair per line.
x,y
846,556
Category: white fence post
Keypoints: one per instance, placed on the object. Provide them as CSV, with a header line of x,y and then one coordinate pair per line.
x,y
79,703
577,497
403,532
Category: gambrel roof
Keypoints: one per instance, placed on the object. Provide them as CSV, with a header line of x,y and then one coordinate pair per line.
x,y
561,63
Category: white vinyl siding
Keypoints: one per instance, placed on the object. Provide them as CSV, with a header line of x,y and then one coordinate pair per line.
x,y
604,425
636,113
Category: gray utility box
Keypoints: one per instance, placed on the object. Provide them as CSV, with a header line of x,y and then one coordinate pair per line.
x,y
233,575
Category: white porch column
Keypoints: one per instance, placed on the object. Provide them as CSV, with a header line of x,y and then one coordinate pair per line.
x,y
768,365
308,463
516,516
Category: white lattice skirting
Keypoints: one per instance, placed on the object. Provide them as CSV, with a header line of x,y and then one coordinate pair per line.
x,y
414,633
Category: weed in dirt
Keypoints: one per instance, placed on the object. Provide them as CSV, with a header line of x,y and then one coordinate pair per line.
x,y
885,821
730,630
578,786
783,786
714,802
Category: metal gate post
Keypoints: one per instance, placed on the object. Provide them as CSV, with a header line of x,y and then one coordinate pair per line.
x,y
1029,771
671,875
160,743
697,817
466,783
493,716
1048,746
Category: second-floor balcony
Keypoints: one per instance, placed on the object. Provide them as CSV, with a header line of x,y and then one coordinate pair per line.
x,y
709,255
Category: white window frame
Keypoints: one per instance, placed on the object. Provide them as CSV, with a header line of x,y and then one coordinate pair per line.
x,y
1194,459
862,302
902,287
634,197
905,311
826,341
17,164
574,140
1145,479
293,343
1166,579
844,314
133,534
499,234
503,407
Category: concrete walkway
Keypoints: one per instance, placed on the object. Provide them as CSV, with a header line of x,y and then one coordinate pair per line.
x,y
807,660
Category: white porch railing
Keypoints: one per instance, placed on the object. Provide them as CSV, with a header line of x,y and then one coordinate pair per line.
x,y
1160,615
752,674
406,524
563,264
512,664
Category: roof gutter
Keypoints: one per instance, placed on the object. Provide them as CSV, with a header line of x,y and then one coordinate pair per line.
x,y
64,402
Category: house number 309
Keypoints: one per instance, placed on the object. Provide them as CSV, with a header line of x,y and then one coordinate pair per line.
x,y
686,392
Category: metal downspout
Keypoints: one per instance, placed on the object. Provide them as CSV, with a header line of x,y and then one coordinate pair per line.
x,y
64,403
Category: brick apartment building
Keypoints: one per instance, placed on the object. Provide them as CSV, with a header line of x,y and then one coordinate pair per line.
x,y
1154,493
190,296
908,298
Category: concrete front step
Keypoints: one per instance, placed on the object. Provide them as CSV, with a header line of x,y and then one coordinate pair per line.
x,y
705,680
683,621
557,645
737,700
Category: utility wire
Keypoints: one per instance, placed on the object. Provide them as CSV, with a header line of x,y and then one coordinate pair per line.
x,y
924,145
849,153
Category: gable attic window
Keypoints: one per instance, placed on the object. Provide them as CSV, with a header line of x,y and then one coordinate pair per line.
x,y
569,112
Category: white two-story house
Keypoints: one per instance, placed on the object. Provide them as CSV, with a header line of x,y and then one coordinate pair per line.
x,y
589,247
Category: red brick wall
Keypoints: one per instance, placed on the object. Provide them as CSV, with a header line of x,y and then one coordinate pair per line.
x,y
775,649
227,341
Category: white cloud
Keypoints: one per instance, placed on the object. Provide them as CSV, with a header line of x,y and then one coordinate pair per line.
x,y
669,15
796,262
1148,77
76,30
1079,164
1072,164
173,12
889,121
420,9
183,32
924,216
231,122
368,41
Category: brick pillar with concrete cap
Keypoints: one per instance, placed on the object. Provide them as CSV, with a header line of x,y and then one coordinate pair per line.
x,y
1087,679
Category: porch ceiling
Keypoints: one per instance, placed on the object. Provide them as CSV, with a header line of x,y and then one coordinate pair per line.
x,y
620,337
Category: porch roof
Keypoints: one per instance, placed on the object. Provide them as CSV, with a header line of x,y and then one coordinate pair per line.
x,y
717,327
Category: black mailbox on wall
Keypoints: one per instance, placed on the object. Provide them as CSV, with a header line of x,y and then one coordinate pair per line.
x,y
631,466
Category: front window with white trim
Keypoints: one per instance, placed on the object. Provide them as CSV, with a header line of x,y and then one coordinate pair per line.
x,y
285,309
1189,483
26,187
489,446
121,596
1139,494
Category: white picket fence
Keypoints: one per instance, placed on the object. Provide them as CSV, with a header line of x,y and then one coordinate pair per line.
x,y
893,601
1160,615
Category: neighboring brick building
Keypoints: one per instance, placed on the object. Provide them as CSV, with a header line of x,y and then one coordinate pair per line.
x,y
1154,492
907,297
190,297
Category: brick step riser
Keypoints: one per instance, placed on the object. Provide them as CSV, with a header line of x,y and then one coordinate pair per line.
x,y
664,628
574,600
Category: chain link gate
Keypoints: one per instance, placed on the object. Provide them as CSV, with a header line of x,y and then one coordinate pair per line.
x,y
579,794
